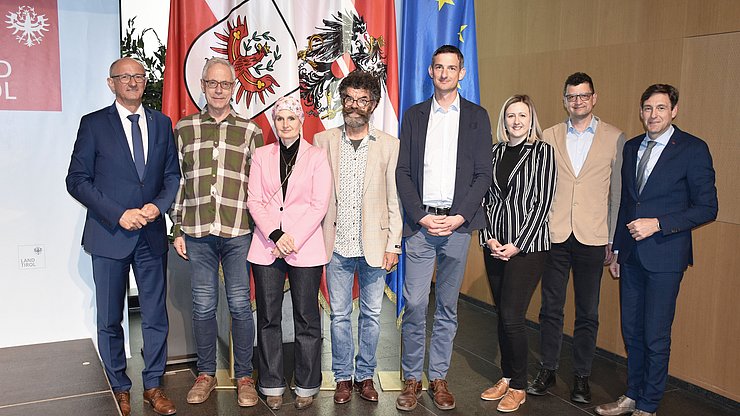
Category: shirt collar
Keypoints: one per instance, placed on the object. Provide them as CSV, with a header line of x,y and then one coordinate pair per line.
x,y
590,129
455,106
662,139
124,112
370,135
206,116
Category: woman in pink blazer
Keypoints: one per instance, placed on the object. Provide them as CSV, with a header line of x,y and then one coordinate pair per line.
x,y
289,186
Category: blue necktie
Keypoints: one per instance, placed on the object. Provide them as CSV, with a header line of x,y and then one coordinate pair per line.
x,y
138,144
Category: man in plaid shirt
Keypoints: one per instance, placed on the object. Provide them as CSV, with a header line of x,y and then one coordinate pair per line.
x,y
211,225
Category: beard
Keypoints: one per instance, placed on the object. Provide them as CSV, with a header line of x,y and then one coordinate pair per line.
x,y
355,122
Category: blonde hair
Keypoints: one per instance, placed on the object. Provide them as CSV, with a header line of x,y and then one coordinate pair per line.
x,y
535,132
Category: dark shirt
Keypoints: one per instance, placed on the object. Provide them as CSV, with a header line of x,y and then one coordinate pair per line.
x,y
288,157
506,165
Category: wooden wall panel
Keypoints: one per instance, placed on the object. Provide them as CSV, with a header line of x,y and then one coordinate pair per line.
x,y
708,108
712,16
532,46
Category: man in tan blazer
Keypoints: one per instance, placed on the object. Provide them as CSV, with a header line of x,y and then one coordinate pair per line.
x,y
588,152
362,231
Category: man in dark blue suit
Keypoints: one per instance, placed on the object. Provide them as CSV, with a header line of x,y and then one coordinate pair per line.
x,y
667,190
443,171
125,171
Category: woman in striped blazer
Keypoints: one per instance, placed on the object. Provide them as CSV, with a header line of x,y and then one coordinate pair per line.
x,y
517,237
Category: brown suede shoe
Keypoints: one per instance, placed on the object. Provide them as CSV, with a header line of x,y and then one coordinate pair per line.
x,y
367,390
159,402
302,402
274,402
496,392
123,398
443,399
343,392
246,394
512,400
202,388
409,397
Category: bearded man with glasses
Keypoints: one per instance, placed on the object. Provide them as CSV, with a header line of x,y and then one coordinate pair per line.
x,y
362,231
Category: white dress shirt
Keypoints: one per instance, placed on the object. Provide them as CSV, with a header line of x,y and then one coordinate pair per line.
x,y
124,113
579,143
660,143
440,155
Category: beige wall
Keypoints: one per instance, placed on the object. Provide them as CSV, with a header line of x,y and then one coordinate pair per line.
x,y
531,46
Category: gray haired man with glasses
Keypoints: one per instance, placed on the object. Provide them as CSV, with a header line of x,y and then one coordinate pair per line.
x,y
588,152
212,225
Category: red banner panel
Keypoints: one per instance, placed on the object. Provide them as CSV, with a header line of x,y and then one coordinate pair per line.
x,y
29,56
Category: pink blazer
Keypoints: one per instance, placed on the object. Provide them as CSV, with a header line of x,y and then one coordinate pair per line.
x,y
300,214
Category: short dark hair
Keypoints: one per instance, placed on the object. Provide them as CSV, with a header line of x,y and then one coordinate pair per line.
x,y
578,78
450,49
667,89
361,80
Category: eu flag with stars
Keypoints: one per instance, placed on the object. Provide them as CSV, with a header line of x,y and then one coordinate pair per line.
x,y
427,25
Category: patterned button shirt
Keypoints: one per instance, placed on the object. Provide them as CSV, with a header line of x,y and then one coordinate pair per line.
x,y
352,164
214,161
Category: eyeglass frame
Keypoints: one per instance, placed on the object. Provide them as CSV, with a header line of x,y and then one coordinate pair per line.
x,y
211,84
126,78
348,100
572,98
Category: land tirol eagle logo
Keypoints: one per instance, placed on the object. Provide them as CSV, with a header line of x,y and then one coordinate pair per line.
x,y
269,63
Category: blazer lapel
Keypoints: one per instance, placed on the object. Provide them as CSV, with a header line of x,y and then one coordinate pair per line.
x,y
299,167
498,153
373,147
334,151
273,168
665,157
421,135
115,121
526,150
151,128
630,163
561,134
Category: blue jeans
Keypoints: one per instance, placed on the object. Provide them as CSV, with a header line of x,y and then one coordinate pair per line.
x,y
205,254
340,276
450,254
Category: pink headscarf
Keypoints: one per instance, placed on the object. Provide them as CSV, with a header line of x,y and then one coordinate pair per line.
x,y
288,103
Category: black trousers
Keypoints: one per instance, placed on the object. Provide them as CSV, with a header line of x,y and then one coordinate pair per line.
x,y
269,282
512,284
587,263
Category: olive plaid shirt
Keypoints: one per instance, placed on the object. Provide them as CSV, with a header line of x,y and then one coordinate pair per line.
x,y
214,162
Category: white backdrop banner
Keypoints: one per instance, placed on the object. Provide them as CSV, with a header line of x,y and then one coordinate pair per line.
x,y
54,58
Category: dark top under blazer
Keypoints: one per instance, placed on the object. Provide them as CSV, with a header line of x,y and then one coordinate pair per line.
x,y
680,192
520,215
102,176
473,174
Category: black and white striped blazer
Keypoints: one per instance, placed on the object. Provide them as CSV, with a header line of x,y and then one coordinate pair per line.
x,y
521,216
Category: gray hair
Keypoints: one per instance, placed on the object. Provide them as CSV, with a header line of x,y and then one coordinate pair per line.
x,y
217,61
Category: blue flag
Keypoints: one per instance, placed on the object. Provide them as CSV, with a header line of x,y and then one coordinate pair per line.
x,y
427,25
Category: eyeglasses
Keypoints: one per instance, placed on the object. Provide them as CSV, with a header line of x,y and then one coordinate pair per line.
x,y
212,84
658,109
125,78
583,97
361,102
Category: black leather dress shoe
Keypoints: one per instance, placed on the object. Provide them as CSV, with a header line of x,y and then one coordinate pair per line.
x,y
581,391
543,381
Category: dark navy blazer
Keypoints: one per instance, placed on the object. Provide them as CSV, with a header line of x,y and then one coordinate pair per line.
x,y
474,171
102,176
680,192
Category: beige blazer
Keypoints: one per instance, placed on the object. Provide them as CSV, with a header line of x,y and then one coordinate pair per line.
x,y
381,209
587,205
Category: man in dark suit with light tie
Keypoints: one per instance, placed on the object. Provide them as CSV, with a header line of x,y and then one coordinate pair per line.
x,y
667,190
443,172
125,171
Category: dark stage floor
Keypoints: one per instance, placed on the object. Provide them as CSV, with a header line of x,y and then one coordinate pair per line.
x,y
474,368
